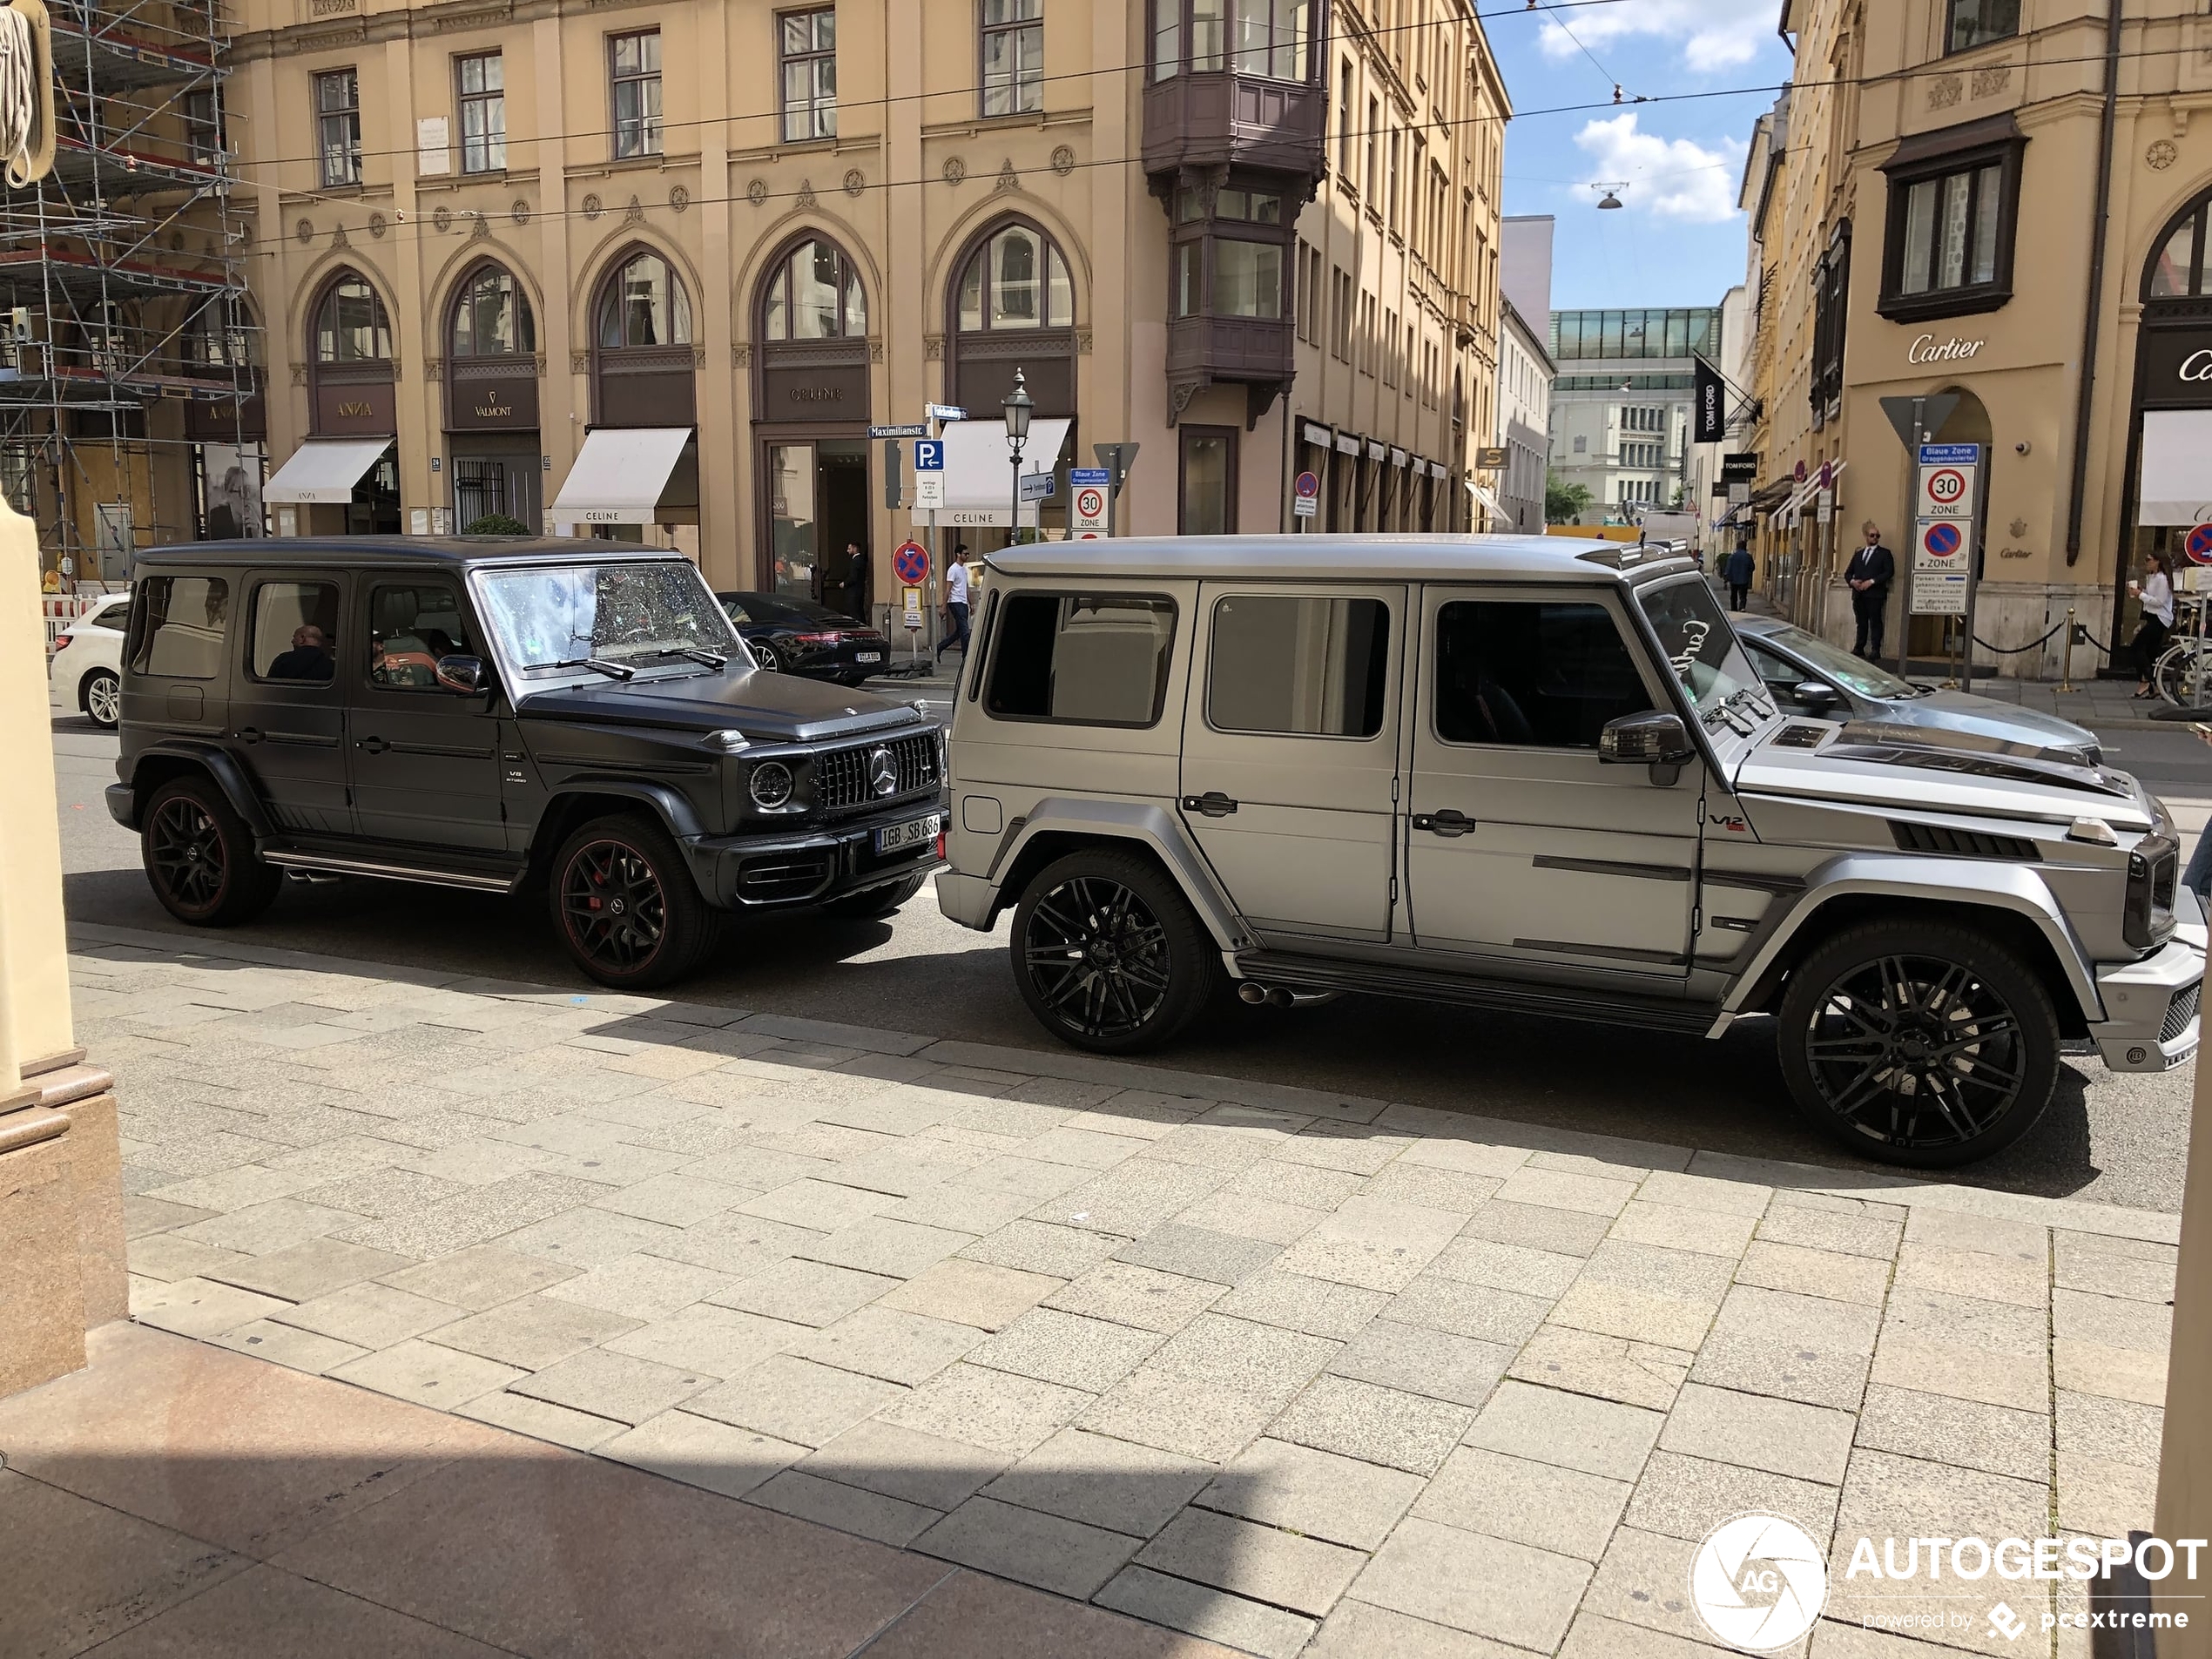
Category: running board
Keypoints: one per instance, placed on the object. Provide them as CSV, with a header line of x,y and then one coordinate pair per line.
x,y
285,859
1603,1007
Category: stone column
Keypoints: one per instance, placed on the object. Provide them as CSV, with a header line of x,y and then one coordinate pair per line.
x,y
61,1194
2185,1456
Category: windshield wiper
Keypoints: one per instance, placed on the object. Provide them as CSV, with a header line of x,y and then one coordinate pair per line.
x,y
711,658
612,670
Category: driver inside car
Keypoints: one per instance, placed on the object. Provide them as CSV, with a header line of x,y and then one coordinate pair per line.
x,y
308,659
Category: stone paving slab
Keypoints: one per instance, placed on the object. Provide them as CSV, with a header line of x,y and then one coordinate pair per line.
x,y
1273,1367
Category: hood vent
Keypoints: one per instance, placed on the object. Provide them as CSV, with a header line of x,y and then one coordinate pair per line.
x,y
1972,844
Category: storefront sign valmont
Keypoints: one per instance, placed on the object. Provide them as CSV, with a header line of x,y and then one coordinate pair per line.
x,y
1926,349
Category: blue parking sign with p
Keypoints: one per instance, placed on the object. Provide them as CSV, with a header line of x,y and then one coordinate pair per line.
x,y
929,454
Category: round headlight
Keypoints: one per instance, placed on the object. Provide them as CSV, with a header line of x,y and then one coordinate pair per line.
x,y
771,785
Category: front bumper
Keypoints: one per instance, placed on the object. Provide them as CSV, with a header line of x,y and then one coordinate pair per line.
x,y
778,872
122,805
2152,1005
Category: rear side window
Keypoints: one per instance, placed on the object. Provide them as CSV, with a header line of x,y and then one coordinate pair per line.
x,y
1297,666
411,627
182,635
1532,674
1081,659
295,632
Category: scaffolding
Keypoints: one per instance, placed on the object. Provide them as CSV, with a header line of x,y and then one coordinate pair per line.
x,y
126,344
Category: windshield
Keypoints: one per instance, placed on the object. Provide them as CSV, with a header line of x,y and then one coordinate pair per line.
x,y
1701,647
1852,673
637,614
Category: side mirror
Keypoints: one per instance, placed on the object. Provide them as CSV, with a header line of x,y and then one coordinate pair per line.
x,y
1816,696
463,674
1656,738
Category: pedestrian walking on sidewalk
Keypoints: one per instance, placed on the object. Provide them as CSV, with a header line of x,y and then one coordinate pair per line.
x,y
2155,593
1869,575
955,605
1736,571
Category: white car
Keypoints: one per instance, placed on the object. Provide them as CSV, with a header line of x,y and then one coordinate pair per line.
x,y
84,670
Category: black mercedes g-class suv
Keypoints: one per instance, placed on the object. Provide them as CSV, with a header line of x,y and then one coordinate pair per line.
x,y
495,714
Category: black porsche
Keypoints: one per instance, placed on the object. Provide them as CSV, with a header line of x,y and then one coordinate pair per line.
x,y
792,636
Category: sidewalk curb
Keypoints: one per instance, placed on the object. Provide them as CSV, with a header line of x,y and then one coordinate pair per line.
x,y
1396,1120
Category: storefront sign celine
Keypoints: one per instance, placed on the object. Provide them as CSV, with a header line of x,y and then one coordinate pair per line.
x,y
1926,349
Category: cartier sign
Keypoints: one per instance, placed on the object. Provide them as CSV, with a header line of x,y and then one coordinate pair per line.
x,y
2176,368
1926,349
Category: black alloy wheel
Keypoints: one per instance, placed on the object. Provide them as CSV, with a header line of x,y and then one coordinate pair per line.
x,y
765,653
1108,955
1926,1046
627,909
198,857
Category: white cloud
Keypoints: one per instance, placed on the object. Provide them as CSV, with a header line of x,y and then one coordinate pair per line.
x,y
1667,177
1711,34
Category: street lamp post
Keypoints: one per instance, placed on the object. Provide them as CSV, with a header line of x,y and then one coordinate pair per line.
x,y
1018,406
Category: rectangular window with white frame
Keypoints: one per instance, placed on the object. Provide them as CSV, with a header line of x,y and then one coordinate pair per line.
x,y
1953,200
634,68
1013,57
806,49
338,127
481,83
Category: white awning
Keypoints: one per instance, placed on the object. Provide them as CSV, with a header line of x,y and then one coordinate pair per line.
x,y
2174,486
1317,435
323,469
1490,503
1348,444
979,470
620,475
1396,456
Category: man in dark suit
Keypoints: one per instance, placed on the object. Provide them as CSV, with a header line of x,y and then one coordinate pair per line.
x,y
1870,573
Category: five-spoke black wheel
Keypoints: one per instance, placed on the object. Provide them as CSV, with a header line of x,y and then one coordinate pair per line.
x,y
199,856
1919,1044
1108,954
627,908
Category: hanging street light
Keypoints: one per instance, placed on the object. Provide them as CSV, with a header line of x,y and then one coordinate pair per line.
x,y
1611,199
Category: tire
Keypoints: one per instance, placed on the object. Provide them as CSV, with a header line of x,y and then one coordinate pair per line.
x,y
1965,1072
200,858
769,663
876,903
1110,955
101,698
625,906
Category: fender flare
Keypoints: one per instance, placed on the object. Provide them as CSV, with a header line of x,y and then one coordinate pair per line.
x,y
1147,825
219,764
670,805
2018,889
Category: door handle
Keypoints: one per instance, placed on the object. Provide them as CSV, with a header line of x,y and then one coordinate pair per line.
x,y
249,734
1449,822
1213,803
374,745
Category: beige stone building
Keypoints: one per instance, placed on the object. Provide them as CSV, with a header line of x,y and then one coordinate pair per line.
x,y
1965,226
656,269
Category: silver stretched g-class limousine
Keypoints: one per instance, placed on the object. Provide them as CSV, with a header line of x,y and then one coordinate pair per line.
x,y
1540,774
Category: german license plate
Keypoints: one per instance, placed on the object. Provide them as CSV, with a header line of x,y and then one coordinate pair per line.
x,y
867,656
896,837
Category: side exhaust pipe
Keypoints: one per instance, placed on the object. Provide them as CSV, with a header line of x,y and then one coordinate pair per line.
x,y
1275,996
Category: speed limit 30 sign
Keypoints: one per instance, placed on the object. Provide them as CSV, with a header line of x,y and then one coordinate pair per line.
x,y
1948,472
1087,511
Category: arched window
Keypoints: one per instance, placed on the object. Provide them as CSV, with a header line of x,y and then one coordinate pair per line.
x,y
642,358
2177,260
814,294
491,316
350,325
1017,280
643,305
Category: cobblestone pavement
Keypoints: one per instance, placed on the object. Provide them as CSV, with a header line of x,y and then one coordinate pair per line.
x,y
1291,1370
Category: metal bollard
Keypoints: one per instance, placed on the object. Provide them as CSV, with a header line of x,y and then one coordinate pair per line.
x,y
2065,668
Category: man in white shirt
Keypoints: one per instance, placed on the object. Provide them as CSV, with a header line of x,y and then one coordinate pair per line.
x,y
956,605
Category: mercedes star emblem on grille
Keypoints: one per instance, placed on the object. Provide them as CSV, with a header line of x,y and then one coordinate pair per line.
x,y
883,771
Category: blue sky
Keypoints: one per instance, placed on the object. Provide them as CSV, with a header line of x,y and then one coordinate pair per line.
x,y
1679,241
